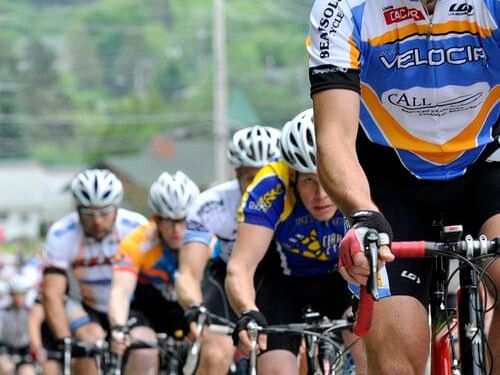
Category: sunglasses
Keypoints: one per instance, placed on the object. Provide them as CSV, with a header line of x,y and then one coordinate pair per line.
x,y
173,222
96,213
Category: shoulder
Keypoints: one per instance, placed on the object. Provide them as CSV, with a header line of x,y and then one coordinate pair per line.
x,y
127,220
216,198
64,233
140,235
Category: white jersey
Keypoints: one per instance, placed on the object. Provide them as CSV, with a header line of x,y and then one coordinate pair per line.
x,y
86,261
214,214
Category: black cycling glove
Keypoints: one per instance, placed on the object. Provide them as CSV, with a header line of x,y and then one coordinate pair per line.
x,y
373,220
192,313
244,319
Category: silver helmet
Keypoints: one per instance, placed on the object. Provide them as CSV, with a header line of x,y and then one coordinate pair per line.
x,y
97,187
171,196
254,146
298,142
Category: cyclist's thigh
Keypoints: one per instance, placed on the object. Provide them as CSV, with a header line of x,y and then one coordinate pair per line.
x,y
399,335
214,293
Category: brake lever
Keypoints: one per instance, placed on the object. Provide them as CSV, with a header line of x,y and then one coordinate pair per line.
x,y
371,252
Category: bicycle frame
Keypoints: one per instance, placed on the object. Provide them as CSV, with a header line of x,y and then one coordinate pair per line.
x,y
470,308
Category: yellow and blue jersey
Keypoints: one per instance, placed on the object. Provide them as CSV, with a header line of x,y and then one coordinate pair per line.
x,y
307,247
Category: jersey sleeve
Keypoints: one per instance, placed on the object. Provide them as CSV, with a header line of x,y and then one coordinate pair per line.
x,y
263,202
200,219
56,255
333,46
129,256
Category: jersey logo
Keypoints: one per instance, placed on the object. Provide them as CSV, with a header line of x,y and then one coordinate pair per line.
x,y
265,202
309,246
395,15
462,9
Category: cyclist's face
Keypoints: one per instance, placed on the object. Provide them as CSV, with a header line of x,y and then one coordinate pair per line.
x,y
172,231
97,222
314,197
18,299
245,176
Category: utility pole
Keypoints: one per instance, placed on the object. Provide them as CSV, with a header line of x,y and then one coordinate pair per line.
x,y
220,125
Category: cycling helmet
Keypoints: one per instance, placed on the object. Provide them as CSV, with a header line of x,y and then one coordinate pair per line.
x,y
298,142
96,187
171,196
19,283
254,146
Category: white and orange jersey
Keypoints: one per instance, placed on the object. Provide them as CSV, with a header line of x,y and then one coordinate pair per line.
x,y
87,262
429,84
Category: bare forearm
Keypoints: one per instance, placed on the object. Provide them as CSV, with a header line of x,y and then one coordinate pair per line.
x,y
56,316
35,321
336,115
188,290
119,306
240,288
342,177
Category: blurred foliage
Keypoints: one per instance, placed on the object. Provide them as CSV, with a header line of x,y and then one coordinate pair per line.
x,y
82,79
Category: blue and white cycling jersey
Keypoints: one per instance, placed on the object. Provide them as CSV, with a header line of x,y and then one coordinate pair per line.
x,y
429,84
307,247
214,215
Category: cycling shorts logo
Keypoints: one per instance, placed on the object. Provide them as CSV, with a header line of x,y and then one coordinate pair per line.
x,y
462,9
395,15
410,276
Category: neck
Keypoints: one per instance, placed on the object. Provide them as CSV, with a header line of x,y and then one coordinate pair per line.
x,y
430,5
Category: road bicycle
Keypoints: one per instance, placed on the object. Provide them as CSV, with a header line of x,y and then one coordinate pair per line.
x,y
20,356
171,352
74,348
472,302
325,352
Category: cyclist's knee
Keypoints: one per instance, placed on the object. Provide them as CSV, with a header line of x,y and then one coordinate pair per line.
x,y
26,369
90,332
6,365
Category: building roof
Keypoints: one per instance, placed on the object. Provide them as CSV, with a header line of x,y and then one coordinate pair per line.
x,y
192,156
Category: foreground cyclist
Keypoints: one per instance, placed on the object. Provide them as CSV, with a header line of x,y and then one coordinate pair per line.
x,y
422,78
214,214
286,204
79,252
146,270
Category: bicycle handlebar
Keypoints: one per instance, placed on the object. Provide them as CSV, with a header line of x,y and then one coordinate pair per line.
x,y
469,248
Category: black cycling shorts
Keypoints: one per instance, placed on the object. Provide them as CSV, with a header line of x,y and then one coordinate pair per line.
x,y
284,299
149,308
417,208
214,293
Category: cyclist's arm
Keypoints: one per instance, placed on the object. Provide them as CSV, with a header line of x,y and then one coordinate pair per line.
x,y
122,288
251,245
336,116
35,320
54,290
193,258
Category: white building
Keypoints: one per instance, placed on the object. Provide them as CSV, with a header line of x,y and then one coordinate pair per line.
x,y
31,196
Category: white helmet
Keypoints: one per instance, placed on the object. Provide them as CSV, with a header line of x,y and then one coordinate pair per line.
x,y
298,142
254,146
96,187
171,196
19,283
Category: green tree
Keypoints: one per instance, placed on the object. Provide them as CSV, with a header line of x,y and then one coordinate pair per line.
x,y
12,140
85,64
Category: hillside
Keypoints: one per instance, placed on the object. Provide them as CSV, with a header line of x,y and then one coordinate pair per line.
x,y
83,79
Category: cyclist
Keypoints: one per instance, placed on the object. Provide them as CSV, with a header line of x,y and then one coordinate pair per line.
x,y
286,204
146,270
79,252
214,214
422,79
14,338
